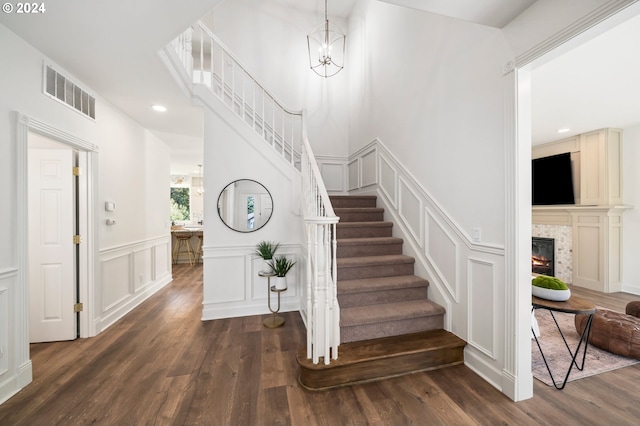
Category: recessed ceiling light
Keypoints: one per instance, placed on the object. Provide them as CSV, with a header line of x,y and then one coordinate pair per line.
x,y
563,130
159,108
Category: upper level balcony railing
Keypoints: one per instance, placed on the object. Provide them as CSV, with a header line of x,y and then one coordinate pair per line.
x,y
210,63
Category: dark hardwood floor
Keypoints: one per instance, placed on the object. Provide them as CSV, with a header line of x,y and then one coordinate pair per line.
x,y
162,365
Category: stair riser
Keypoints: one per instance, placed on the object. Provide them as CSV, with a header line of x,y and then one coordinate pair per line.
x,y
382,368
374,271
363,232
352,202
386,296
390,328
368,250
374,216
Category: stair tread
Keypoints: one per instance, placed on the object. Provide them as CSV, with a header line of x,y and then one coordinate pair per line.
x,y
358,209
381,283
389,312
377,223
385,347
388,259
353,197
368,240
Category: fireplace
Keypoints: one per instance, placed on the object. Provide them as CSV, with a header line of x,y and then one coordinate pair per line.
x,y
542,256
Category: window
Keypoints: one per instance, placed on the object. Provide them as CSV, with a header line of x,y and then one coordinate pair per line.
x,y
179,204
250,214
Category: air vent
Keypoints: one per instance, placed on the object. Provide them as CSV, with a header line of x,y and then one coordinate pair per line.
x,y
58,87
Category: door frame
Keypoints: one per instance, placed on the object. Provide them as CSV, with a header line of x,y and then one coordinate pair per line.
x,y
518,382
87,198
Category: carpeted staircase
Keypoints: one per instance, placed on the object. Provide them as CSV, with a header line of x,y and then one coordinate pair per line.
x,y
378,293
388,326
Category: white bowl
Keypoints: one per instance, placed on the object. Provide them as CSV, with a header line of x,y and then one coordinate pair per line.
x,y
550,294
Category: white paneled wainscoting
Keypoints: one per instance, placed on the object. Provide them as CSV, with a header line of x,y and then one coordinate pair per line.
x,y
466,277
234,288
128,275
15,365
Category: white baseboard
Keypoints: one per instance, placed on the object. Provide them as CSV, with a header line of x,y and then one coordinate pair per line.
x,y
213,311
479,366
16,383
631,288
130,303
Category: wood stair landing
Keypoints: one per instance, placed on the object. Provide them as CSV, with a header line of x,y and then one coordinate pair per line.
x,y
376,359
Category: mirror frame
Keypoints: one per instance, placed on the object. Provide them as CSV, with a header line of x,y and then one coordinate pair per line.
x,y
239,230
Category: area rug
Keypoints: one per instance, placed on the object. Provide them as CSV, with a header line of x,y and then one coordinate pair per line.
x,y
597,361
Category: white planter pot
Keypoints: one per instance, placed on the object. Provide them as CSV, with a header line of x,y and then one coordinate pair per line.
x,y
549,294
266,268
281,283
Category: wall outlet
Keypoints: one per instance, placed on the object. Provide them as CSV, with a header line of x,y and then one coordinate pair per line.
x,y
477,235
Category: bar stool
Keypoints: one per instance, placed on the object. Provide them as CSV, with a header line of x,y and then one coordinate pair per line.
x,y
183,243
198,256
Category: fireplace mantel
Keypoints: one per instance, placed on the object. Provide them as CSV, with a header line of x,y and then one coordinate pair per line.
x,y
562,214
596,244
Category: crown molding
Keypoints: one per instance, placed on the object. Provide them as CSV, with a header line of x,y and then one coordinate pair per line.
x,y
598,15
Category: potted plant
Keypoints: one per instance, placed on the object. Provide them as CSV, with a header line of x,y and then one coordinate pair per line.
x,y
280,266
266,250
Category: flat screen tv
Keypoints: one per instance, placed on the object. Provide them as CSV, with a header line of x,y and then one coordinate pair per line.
x,y
552,180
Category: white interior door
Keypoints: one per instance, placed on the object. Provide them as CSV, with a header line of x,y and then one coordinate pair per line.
x,y
51,249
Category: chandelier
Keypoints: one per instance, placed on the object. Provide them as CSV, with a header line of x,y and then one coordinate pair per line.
x,y
326,45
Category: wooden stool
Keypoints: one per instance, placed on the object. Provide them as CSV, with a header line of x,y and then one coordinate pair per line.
x,y
199,249
182,243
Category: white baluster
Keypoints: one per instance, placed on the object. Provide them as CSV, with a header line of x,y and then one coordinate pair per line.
x,y
316,322
211,53
201,56
310,318
187,52
328,328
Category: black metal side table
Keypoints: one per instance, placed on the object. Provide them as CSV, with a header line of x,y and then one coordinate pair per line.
x,y
572,306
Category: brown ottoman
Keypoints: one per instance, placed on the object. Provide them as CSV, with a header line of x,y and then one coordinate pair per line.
x,y
615,332
633,308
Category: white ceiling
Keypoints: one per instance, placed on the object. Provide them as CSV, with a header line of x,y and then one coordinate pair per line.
x,y
493,13
112,46
593,86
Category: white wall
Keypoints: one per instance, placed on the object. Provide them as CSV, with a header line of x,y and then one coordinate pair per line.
x,y
441,96
631,218
132,170
270,40
430,88
232,286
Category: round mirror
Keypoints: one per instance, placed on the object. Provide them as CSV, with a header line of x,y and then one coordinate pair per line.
x,y
245,205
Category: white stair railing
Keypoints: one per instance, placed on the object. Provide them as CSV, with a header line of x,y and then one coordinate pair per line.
x,y
208,62
323,310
